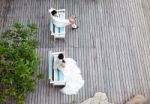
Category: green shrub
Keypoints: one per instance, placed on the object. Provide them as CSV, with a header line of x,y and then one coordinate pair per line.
x,y
19,62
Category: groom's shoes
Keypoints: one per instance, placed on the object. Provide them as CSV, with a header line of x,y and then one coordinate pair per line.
x,y
75,28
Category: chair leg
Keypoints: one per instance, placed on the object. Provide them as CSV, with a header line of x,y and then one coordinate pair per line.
x,y
54,38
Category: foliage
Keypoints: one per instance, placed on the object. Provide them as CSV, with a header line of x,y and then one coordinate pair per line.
x,y
18,62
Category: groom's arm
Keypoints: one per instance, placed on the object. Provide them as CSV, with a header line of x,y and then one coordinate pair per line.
x,y
62,21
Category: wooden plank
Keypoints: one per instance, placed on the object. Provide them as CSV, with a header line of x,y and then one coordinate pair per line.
x,y
111,45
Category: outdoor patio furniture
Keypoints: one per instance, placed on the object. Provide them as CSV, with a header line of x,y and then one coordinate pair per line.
x,y
58,32
56,77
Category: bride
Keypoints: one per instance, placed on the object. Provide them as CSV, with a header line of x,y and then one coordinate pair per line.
x,y
72,75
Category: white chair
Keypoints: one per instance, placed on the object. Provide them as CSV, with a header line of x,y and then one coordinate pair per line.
x,y
58,32
56,77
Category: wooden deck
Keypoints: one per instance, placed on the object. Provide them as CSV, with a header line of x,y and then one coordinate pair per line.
x,y
111,46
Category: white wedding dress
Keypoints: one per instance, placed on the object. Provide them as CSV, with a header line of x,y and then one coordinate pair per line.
x,y
72,76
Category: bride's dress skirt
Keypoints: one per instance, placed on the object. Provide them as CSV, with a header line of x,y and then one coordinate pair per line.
x,y
72,76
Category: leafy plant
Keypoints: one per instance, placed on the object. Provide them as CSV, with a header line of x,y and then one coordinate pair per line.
x,y
18,62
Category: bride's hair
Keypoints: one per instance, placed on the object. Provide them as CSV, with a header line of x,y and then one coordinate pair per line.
x,y
63,61
61,56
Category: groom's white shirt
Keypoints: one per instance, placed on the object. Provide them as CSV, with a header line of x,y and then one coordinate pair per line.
x,y
57,21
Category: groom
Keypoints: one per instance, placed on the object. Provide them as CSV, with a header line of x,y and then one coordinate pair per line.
x,y
61,23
